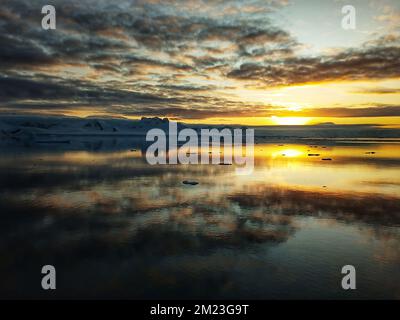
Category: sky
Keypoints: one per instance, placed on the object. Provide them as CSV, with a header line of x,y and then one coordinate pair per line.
x,y
255,62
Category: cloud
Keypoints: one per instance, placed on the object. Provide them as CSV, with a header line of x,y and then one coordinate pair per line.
x,y
168,58
378,90
15,89
352,64
342,112
52,94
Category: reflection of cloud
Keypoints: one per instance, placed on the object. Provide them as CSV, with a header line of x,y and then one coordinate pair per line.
x,y
388,248
377,209
142,222
381,183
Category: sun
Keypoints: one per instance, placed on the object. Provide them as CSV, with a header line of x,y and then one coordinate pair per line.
x,y
290,121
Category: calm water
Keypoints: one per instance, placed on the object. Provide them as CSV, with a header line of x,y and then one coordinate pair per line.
x,y
116,227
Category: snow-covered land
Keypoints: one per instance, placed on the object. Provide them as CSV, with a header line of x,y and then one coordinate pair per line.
x,y
36,128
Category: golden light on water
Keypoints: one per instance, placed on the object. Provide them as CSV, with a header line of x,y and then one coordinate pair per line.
x,y
291,153
288,152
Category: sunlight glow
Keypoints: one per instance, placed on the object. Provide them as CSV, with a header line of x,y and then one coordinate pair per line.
x,y
290,121
290,153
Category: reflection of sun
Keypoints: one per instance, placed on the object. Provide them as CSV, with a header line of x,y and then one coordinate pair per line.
x,y
291,153
290,121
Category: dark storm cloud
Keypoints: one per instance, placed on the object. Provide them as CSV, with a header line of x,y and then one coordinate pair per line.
x,y
14,89
371,63
84,33
52,94
121,43
180,113
132,60
187,87
207,62
21,52
25,45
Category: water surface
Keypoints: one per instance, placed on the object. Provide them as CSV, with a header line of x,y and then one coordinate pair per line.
x,y
116,227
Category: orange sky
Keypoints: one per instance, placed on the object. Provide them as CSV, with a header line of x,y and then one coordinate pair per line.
x,y
262,62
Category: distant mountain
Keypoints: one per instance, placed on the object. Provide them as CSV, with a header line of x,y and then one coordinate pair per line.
x,y
29,126
326,124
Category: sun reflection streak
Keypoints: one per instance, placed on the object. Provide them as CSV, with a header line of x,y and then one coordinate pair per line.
x,y
291,153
